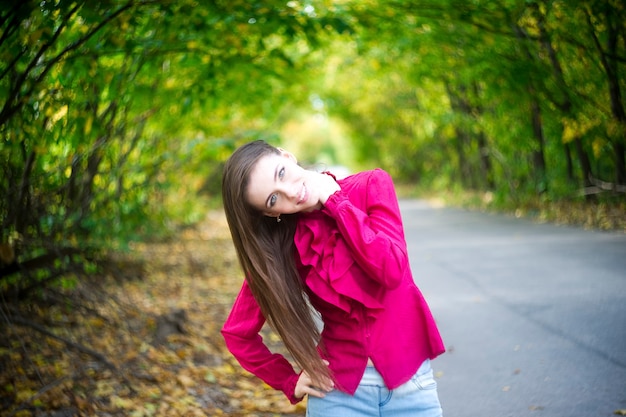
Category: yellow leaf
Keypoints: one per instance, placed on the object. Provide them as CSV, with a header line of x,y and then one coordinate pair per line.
x,y
182,353
60,113
24,395
575,128
569,130
185,381
597,145
97,322
88,124
122,402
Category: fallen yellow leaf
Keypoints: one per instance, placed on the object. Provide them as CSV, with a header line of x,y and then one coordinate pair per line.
x,y
122,402
186,381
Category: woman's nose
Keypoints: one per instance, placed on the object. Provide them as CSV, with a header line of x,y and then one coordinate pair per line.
x,y
289,190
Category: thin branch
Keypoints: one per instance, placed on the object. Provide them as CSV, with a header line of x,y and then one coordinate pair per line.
x,y
21,321
39,393
12,26
75,45
83,349
9,109
607,186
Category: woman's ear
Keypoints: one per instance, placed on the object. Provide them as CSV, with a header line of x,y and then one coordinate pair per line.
x,y
287,154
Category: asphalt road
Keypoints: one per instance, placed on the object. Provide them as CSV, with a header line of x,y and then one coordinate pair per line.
x,y
533,315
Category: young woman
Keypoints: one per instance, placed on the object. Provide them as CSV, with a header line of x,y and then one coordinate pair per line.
x,y
305,239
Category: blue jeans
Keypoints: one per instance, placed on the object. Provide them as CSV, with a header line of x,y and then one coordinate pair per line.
x,y
416,398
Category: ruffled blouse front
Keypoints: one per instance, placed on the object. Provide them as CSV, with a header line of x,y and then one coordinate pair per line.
x,y
328,260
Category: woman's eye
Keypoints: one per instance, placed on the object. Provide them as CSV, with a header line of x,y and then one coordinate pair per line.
x,y
281,173
273,200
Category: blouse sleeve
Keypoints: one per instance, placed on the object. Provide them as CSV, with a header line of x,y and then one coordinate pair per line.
x,y
241,332
375,233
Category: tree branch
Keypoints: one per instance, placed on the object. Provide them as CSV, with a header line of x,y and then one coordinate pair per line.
x,y
39,393
21,321
83,349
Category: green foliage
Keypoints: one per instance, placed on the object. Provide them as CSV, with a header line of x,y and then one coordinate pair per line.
x,y
506,96
116,115
114,112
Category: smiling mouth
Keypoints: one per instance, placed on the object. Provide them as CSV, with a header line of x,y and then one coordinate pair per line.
x,y
302,194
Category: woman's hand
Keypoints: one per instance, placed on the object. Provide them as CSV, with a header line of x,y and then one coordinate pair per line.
x,y
305,385
326,186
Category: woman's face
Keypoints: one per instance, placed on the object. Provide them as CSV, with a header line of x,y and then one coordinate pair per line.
x,y
279,185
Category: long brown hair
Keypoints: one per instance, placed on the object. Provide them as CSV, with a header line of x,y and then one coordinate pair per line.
x,y
265,249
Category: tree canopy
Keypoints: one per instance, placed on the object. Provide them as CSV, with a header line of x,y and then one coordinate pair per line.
x,y
115,114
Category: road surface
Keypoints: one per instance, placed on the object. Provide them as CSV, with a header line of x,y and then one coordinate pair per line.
x,y
533,315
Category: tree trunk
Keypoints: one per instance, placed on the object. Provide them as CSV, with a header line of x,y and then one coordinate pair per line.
x,y
485,161
619,152
483,146
565,104
473,176
617,108
611,68
570,164
466,177
585,163
539,160
23,200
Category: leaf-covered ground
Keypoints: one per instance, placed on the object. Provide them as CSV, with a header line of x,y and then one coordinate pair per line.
x,y
142,340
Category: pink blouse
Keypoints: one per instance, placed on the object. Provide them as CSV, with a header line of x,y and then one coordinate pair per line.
x,y
353,259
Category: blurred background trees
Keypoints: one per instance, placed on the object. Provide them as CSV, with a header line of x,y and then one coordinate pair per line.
x,y
115,116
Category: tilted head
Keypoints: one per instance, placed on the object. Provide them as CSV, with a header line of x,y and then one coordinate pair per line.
x,y
261,179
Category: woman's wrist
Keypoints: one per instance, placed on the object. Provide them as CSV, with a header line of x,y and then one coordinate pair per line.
x,y
328,186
